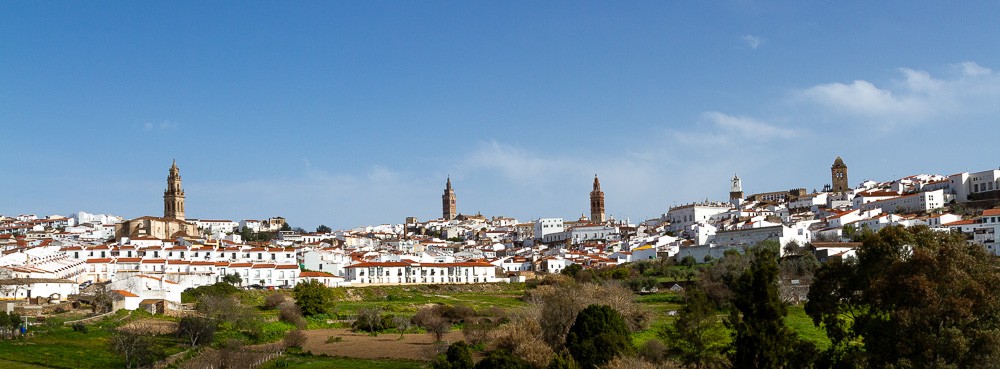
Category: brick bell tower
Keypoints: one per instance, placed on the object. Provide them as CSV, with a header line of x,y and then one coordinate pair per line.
x,y
597,203
448,202
173,196
838,173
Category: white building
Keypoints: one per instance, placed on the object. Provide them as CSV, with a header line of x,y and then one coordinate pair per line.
x,y
421,273
547,226
964,184
681,217
752,236
914,203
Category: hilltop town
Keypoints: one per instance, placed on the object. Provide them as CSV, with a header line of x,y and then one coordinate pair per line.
x,y
148,261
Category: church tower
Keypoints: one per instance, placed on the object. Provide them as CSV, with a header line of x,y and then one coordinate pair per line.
x,y
839,174
597,203
736,191
448,201
173,196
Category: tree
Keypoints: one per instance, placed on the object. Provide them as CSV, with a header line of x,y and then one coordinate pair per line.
x,y
196,330
689,261
369,320
431,320
135,348
457,357
103,298
285,227
760,337
313,297
323,229
912,298
697,337
597,336
233,279
402,324
572,270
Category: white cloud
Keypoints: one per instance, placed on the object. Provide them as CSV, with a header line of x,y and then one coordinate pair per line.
x,y
746,127
164,125
917,97
753,41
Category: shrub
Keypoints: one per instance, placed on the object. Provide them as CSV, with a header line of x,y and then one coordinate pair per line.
x,y
334,339
313,298
291,314
295,338
80,327
275,300
597,336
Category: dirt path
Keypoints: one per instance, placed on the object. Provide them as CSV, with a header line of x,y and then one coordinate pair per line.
x,y
384,346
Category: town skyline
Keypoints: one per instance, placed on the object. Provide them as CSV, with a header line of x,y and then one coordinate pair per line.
x,y
352,114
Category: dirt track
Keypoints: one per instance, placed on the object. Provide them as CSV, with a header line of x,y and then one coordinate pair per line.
x,y
384,346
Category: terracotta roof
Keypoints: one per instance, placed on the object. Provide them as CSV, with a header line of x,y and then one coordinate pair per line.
x,y
317,274
125,293
991,212
961,222
379,264
287,266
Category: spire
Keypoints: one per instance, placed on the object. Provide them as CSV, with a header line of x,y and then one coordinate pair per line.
x,y
448,185
597,183
839,162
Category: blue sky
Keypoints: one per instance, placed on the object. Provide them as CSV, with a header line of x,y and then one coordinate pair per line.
x,y
354,113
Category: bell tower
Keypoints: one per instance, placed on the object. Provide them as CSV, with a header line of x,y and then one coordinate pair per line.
x,y
597,203
736,191
173,196
448,201
838,173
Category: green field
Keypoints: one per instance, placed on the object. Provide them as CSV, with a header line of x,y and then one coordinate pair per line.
x,y
661,303
322,362
803,325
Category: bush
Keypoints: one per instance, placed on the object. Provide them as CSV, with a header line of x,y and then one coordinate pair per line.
x,y
80,327
653,351
457,357
218,289
276,299
291,314
295,338
597,336
334,339
502,359
313,298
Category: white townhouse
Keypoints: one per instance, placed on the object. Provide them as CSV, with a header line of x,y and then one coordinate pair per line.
x,y
681,217
986,229
512,264
215,226
420,273
963,185
330,261
920,202
547,226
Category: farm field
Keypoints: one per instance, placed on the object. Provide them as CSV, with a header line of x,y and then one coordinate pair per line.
x,y
413,346
324,362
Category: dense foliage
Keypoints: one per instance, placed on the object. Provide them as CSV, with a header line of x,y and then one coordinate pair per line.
x,y
313,298
760,337
913,298
597,336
